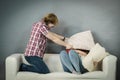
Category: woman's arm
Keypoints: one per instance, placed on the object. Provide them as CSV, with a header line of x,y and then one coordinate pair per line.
x,y
81,52
57,40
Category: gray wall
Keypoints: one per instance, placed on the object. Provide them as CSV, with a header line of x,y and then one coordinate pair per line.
x,y
102,17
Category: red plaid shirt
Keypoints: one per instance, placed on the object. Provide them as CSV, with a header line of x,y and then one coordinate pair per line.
x,y
37,42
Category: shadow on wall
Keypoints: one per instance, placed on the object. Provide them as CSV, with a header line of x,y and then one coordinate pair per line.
x,y
2,72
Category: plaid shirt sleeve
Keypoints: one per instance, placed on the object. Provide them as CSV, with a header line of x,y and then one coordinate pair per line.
x,y
43,30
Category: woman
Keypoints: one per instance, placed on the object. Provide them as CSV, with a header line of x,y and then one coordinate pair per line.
x,y
35,49
72,62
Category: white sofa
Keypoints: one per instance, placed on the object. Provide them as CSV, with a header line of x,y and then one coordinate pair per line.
x,y
53,62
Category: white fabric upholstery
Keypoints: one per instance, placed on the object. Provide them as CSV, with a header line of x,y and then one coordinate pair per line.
x,y
53,62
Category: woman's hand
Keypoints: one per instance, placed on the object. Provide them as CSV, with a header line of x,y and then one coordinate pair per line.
x,y
69,46
66,39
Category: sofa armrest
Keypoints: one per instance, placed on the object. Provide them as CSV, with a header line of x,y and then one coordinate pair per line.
x,y
109,66
12,66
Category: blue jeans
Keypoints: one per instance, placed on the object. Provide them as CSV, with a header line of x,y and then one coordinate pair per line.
x,y
36,65
72,62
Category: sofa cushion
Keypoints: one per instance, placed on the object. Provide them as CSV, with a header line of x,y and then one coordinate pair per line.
x,y
59,76
82,40
50,58
53,62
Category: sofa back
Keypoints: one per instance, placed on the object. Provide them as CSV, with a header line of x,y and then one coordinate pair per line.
x,y
52,61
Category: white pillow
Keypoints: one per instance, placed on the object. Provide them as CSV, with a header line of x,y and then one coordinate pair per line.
x,y
88,63
82,40
96,54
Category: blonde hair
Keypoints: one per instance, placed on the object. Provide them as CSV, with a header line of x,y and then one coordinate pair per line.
x,y
50,18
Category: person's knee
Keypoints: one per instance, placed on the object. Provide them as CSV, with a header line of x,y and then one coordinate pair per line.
x,y
72,52
62,53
